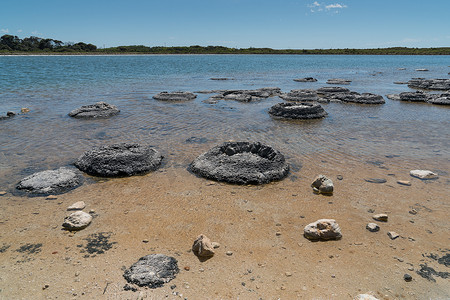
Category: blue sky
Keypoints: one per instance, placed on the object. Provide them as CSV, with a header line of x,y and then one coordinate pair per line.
x,y
279,24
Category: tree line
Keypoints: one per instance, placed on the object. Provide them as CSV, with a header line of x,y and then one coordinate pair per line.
x,y
12,44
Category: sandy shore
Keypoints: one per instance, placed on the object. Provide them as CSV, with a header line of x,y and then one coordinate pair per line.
x,y
163,212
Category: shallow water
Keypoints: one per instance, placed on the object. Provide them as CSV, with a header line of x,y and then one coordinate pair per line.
x,y
51,86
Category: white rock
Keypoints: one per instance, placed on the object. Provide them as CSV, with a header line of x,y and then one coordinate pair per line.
x,y
372,227
80,205
77,220
393,235
365,297
323,229
423,174
380,217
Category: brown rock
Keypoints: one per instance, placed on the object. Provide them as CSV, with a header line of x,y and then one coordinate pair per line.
x,y
203,247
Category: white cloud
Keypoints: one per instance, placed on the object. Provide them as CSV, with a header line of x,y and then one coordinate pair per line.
x,y
19,30
316,6
4,31
335,6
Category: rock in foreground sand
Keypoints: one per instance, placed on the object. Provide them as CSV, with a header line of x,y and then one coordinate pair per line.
x,y
203,247
423,174
323,229
152,270
119,160
51,181
77,220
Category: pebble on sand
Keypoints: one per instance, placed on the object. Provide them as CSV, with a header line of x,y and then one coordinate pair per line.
x,y
77,221
372,227
423,174
393,235
380,217
80,205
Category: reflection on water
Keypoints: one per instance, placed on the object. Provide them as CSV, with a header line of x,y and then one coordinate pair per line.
x,y
47,138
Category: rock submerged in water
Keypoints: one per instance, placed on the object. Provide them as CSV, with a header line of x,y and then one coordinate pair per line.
x,y
248,95
323,229
175,96
322,184
332,89
51,181
301,96
77,221
419,96
152,271
423,174
354,97
119,160
430,84
203,247
97,110
339,81
297,110
306,79
241,163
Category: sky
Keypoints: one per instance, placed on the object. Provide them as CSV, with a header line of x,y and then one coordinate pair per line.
x,y
278,24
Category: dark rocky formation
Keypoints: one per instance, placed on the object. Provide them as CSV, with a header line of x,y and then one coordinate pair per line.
x,y
119,160
175,96
430,84
97,110
440,99
306,79
51,182
339,81
152,271
332,89
301,95
9,114
241,163
221,78
413,96
297,110
247,95
354,97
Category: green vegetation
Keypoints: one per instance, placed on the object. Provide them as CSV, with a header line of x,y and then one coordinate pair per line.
x,y
34,45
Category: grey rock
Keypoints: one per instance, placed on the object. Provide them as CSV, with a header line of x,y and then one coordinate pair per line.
x,y
248,95
323,184
393,97
241,163
413,96
175,96
422,70
119,160
332,89
10,114
339,81
423,174
51,181
393,235
297,110
430,84
221,78
323,229
97,110
301,96
376,180
440,99
354,97
400,82
380,217
306,79
372,227
77,221
80,205
407,277
203,247
152,271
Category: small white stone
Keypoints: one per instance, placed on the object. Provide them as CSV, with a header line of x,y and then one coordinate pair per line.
x,y
380,217
77,220
423,174
393,235
80,205
372,227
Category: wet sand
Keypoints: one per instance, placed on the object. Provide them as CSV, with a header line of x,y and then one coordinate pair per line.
x,y
164,211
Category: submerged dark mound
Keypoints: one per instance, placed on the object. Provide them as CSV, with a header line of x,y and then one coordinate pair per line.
x,y
297,110
119,160
175,96
332,89
300,95
430,84
152,270
241,163
97,110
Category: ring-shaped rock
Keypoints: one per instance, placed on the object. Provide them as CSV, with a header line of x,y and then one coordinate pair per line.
x,y
297,110
119,160
241,163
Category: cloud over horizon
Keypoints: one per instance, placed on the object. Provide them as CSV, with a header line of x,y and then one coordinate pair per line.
x,y
319,7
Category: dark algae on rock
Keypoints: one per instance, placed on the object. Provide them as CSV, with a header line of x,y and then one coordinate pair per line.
x,y
153,271
119,160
